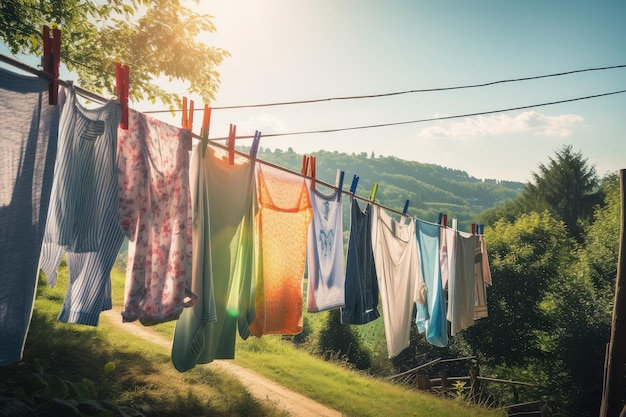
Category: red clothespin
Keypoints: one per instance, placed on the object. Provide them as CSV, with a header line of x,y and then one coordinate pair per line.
x,y
230,144
204,132
312,171
445,220
473,228
305,165
121,76
51,61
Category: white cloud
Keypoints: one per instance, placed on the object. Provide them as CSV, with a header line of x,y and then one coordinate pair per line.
x,y
501,124
266,123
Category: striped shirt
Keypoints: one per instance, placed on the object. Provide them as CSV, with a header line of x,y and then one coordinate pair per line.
x,y
83,219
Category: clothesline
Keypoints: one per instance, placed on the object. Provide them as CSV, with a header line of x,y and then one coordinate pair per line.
x,y
96,97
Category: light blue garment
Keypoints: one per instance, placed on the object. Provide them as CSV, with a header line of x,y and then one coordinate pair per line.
x,y
84,209
28,147
431,317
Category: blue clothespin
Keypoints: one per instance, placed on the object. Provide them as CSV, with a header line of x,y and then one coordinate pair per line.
x,y
406,207
355,181
440,217
255,144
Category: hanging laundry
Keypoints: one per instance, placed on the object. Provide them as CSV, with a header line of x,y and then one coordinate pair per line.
x,y
485,260
326,276
396,256
480,301
222,200
361,280
462,283
29,145
282,222
155,214
431,317
83,216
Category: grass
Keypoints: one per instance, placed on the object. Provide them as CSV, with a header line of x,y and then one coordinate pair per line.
x,y
145,378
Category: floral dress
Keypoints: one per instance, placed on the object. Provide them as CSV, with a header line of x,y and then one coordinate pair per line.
x,y
155,215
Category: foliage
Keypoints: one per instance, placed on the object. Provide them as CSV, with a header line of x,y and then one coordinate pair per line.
x,y
342,340
155,38
567,187
526,259
429,188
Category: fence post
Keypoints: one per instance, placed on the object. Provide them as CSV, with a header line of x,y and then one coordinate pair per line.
x,y
611,405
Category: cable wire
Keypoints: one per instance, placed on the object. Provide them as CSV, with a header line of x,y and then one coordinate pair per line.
x,y
431,119
397,93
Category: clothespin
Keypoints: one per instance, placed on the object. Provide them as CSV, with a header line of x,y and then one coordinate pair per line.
x,y
51,61
440,218
481,229
305,165
230,144
445,220
406,207
187,121
373,192
312,162
204,132
355,181
473,228
255,144
121,76
339,183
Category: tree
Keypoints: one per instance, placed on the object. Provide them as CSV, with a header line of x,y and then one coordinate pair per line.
x,y
526,258
342,340
567,187
155,38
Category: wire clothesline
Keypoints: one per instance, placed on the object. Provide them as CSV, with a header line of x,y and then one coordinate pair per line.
x,y
397,93
96,97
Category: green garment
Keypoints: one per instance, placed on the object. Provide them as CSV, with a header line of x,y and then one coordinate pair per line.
x,y
222,200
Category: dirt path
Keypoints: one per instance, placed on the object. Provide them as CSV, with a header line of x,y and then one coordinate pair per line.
x,y
297,405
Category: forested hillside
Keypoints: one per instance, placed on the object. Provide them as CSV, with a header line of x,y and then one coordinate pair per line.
x,y
429,188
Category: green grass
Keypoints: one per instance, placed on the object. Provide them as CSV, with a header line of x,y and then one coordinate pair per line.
x,y
144,375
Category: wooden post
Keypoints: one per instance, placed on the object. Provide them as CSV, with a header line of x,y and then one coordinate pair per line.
x,y
611,405
444,381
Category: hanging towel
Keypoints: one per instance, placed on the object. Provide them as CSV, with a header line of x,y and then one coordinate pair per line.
x,y
222,201
397,265
361,280
155,213
28,140
326,276
431,317
462,289
83,217
282,222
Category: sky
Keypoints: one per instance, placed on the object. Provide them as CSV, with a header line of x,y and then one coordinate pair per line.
x,y
288,50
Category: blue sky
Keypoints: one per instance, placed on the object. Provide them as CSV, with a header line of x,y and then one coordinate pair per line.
x,y
288,50
284,50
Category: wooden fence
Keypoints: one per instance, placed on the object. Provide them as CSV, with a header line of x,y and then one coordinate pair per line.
x,y
468,387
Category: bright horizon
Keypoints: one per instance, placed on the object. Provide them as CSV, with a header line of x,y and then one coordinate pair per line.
x,y
285,50
314,49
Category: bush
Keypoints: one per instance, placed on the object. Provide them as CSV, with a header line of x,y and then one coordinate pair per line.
x,y
341,341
